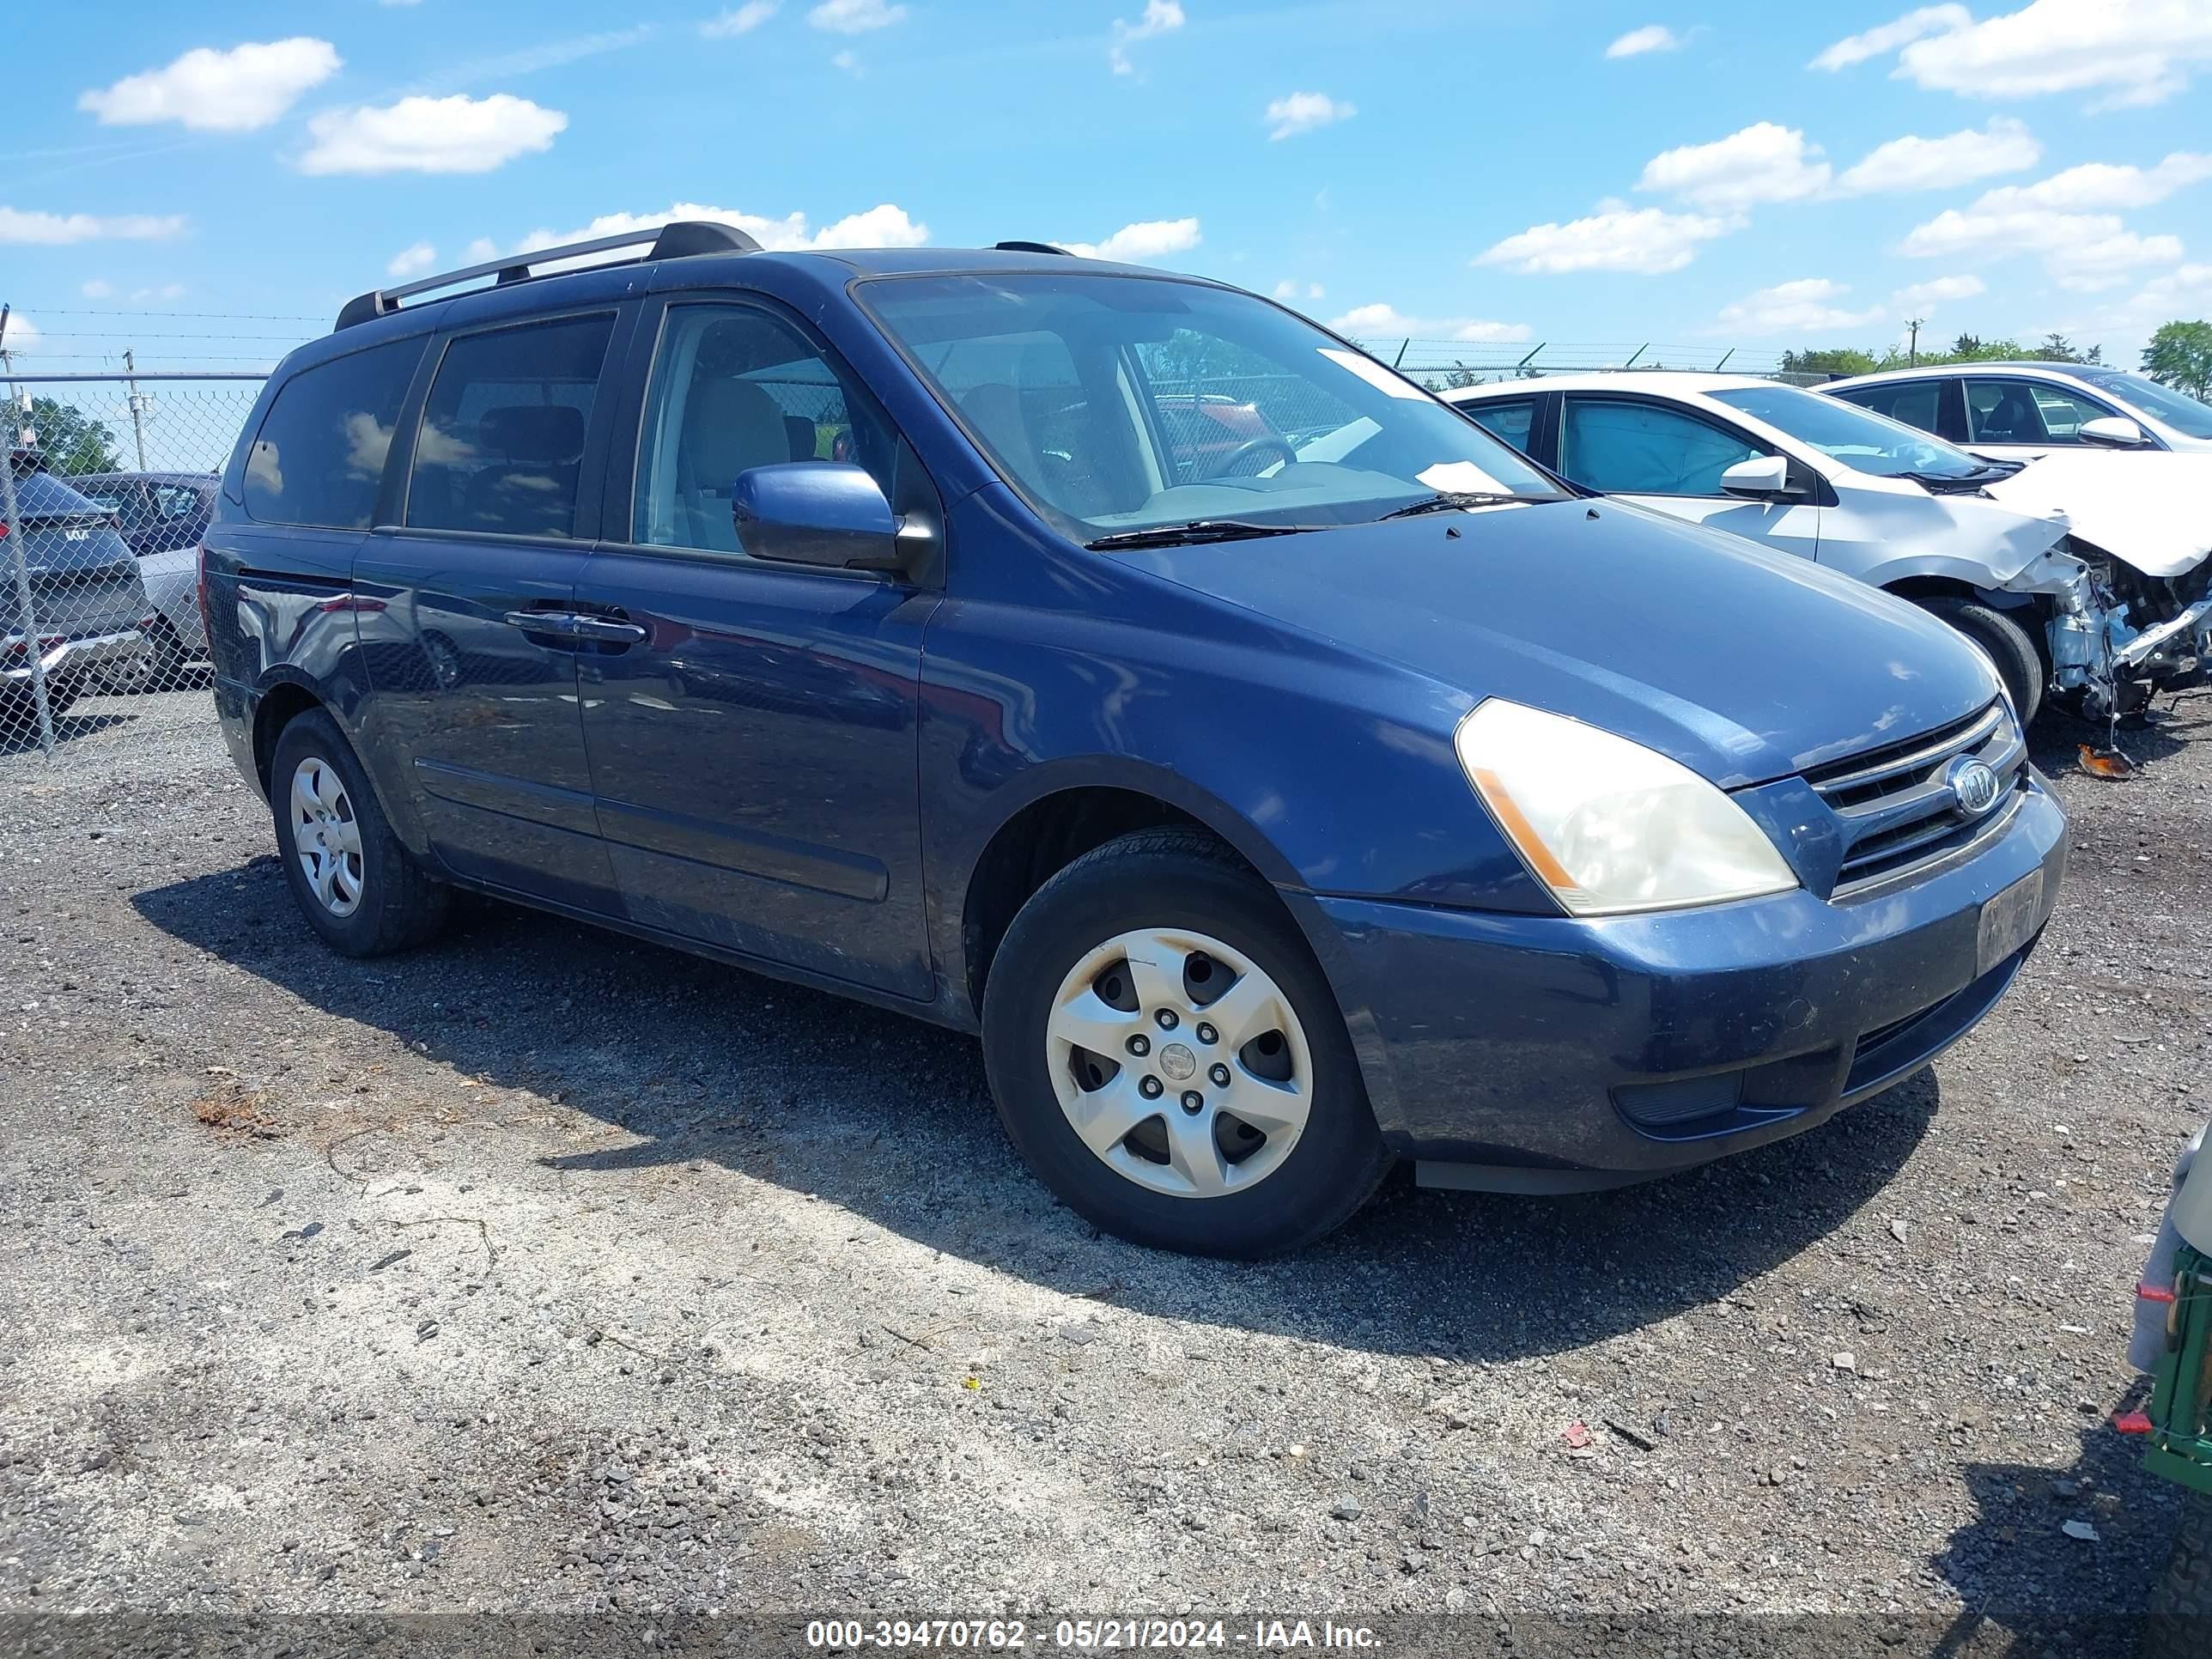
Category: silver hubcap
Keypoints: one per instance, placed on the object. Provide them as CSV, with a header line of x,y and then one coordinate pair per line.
x,y
326,836
1179,1063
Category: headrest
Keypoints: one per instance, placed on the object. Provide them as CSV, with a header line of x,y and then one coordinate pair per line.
x,y
730,426
540,433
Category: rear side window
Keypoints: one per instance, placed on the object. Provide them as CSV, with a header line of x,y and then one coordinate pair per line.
x,y
319,457
1913,402
1508,422
501,444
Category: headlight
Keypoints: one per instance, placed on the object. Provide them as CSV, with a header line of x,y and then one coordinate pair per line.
x,y
1608,825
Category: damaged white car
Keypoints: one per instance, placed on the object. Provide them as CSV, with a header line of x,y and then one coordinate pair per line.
x,y
2084,575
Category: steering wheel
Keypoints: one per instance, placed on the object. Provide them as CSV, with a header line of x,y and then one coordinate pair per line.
x,y
1272,440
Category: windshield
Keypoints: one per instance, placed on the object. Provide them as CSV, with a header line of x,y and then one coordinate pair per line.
x,y
2177,409
1119,405
1860,439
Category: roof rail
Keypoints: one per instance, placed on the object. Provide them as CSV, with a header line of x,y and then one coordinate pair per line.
x,y
681,239
1031,248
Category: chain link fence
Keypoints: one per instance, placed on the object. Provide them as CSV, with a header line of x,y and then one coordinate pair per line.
x,y
110,483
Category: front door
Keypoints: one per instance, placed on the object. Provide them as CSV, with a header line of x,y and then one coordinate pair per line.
x,y
467,610
752,726
1670,460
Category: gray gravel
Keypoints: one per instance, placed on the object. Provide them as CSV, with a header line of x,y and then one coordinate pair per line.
x,y
542,1270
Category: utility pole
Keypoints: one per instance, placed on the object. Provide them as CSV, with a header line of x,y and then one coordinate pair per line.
x,y
1912,351
137,410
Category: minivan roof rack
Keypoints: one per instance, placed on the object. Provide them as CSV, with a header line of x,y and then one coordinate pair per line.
x,y
1031,248
680,239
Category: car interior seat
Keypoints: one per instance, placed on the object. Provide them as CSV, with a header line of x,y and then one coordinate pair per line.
x,y
531,488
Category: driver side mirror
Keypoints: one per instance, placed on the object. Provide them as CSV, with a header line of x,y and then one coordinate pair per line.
x,y
1762,478
830,514
2112,432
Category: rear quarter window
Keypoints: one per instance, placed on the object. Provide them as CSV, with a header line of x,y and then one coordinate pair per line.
x,y
319,457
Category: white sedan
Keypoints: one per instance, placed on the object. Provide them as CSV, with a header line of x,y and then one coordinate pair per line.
x,y
2018,411
2087,574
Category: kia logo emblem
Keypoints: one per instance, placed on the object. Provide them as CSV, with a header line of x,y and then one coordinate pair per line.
x,y
1974,785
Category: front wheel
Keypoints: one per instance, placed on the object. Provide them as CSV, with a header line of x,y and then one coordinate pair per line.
x,y
2005,643
2179,1621
1167,1058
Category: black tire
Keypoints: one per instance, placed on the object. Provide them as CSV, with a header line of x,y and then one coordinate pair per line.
x,y
2007,644
170,658
2179,1623
400,905
1176,878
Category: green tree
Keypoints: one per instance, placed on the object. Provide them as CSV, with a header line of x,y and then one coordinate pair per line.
x,y
2057,348
71,440
1829,359
2180,355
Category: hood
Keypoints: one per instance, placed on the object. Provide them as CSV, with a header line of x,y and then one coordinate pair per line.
x,y
1743,665
2153,511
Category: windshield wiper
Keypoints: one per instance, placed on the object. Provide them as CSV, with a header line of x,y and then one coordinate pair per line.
x,y
1452,500
1196,530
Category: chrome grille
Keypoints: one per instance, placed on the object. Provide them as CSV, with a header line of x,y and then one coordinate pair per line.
x,y
1895,805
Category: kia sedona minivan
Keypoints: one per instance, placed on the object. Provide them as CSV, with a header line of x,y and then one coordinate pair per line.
x,y
1281,775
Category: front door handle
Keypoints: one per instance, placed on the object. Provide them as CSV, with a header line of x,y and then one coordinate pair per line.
x,y
609,628
563,623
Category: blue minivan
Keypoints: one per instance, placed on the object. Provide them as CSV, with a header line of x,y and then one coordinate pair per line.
x,y
1283,776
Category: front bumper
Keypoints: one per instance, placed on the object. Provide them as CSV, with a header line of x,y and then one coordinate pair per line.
x,y
1508,1051
114,657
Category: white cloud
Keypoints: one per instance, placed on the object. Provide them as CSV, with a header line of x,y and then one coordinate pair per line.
x,y
1916,163
855,16
883,226
1763,162
848,61
1922,298
2100,188
1142,243
2085,251
458,134
739,20
1290,288
163,291
60,229
1380,322
98,288
2110,261
210,91
2134,52
1791,307
412,260
1652,37
22,333
1302,112
1161,17
1857,48
2182,291
1646,241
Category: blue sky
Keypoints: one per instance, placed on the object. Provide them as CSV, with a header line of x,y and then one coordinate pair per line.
x,y
1710,171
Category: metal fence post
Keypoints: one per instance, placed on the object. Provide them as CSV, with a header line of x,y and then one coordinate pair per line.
x,y
11,522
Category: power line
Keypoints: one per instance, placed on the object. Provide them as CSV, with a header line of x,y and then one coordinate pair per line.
x,y
133,335
197,316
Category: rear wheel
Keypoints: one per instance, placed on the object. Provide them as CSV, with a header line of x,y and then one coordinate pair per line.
x,y
2179,1623
1167,1056
2005,642
358,886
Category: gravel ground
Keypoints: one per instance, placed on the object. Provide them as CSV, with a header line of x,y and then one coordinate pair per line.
x,y
543,1270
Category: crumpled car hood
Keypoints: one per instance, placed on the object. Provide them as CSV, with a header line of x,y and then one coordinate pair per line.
x,y
2153,511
